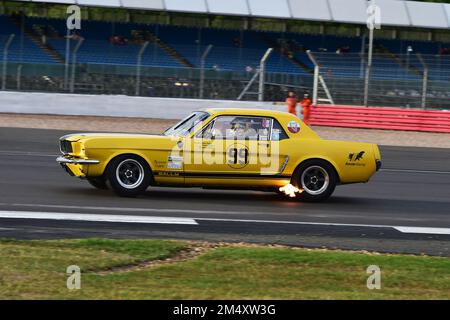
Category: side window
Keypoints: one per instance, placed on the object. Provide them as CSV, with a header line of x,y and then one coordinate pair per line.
x,y
206,133
238,128
278,132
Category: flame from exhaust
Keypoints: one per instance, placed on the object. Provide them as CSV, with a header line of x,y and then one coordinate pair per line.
x,y
290,190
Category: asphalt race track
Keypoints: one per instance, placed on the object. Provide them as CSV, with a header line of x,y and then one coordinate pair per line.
x,y
404,209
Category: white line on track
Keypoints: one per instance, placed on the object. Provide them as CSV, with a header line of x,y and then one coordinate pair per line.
x,y
423,230
182,211
398,228
194,221
94,217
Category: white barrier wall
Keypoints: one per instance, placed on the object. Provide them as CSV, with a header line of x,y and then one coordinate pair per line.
x,y
114,106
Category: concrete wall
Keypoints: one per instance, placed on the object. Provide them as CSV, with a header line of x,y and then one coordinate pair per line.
x,y
114,106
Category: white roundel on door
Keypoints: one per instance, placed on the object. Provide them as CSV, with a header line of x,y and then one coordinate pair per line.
x,y
294,127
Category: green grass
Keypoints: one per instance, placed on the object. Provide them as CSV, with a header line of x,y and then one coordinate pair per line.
x,y
36,270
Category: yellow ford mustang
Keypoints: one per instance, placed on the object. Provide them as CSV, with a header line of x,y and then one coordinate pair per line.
x,y
222,148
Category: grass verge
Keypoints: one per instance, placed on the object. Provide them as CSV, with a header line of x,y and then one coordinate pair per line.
x,y
123,269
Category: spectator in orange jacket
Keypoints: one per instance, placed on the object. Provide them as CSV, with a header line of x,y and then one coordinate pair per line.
x,y
306,104
291,102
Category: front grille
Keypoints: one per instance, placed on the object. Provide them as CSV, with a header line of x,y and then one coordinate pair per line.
x,y
66,146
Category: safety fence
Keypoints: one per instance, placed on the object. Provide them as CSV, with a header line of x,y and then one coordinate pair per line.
x,y
380,118
408,80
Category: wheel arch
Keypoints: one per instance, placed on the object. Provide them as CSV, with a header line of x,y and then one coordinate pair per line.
x,y
134,154
330,162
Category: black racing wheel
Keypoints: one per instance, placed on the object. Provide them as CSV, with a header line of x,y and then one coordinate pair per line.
x,y
317,179
129,175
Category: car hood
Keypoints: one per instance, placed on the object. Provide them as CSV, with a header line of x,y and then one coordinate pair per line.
x,y
74,137
88,141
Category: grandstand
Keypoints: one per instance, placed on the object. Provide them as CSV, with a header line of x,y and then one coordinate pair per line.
x,y
106,61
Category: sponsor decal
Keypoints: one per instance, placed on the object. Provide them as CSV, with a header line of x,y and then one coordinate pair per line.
x,y
356,156
175,166
168,174
160,164
175,163
294,127
354,159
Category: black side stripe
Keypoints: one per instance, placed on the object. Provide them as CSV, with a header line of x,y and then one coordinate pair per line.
x,y
220,175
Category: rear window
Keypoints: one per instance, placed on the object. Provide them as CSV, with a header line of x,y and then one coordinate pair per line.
x,y
278,132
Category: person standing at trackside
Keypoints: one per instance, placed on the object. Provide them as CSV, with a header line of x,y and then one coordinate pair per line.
x,y
306,104
291,102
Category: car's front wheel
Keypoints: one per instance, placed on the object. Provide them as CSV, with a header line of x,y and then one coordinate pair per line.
x,y
129,175
317,179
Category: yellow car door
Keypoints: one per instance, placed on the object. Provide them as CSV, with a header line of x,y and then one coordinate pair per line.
x,y
233,150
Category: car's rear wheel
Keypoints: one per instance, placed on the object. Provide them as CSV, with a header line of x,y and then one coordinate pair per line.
x,y
129,175
98,182
317,179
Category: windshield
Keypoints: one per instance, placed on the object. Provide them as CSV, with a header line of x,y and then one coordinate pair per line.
x,y
185,126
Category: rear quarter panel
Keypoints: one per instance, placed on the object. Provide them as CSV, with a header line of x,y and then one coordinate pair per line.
x,y
353,161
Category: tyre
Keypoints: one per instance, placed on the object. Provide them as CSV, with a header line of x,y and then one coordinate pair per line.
x,y
317,179
129,175
98,182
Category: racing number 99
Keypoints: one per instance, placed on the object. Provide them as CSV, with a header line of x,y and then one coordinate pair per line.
x,y
238,156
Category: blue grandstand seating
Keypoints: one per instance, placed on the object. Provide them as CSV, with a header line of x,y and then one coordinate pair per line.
x,y
234,50
22,48
96,48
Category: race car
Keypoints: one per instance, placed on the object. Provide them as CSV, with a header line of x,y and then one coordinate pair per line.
x,y
222,149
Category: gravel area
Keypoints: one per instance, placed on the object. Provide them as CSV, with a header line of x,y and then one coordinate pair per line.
x,y
141,125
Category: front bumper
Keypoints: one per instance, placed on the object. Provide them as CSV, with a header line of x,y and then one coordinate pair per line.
x,y
75,166
66,160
